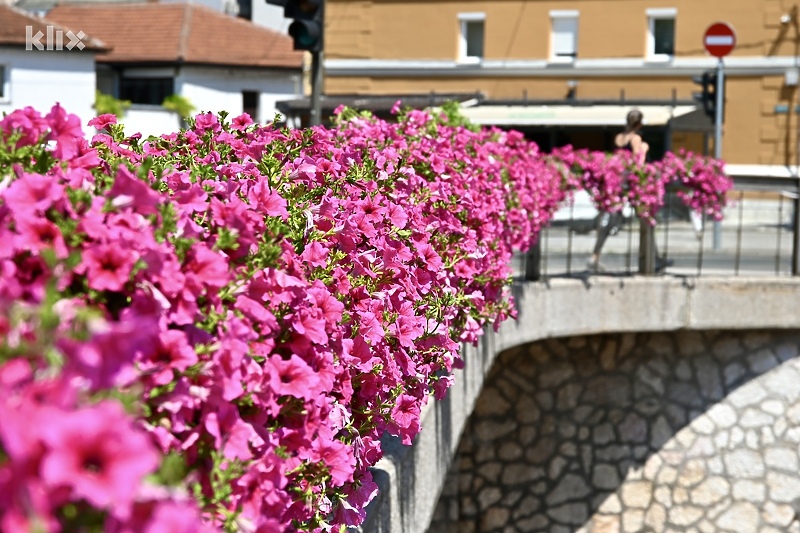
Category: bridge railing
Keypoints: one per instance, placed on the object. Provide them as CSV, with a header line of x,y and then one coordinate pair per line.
x,y
759,235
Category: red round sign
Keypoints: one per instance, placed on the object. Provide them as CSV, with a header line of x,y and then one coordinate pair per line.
x,y
720,39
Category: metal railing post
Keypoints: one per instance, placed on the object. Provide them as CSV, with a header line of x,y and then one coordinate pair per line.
x,y
647,248
533,262
796,230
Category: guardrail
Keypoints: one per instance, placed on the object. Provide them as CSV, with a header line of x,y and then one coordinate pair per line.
x,y
759,235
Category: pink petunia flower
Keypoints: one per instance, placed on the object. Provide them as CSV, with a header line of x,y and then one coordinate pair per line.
x,y
233,436
293,377
37,234
176,517
207,266
269,201
98,454
130,191
338,457
108,267
257,312
28,122
406,415
86,158
194,198
397,215
242,121
103,121
370,210
352,510
32,193
206,122
429,257
407,329
370,327
315,255
172,353
65,130
310,322
332,308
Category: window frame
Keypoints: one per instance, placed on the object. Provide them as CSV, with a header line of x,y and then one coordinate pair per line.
x,y
5,83
463,20
257,108
127,86
563,14
244,9
653,15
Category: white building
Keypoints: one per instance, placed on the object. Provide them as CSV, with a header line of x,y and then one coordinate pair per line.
x,y
257,11
216,61
40,78
267,15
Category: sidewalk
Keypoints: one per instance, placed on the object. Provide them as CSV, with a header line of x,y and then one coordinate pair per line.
x,y
758,248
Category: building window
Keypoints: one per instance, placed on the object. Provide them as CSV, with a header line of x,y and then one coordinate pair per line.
x,y
245,9
3,83
470,49
661,34
250,104
146,90
564,36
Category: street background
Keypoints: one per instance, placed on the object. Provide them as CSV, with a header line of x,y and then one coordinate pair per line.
x,y
756,228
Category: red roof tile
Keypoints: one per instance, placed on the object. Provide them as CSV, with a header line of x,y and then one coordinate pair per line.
x,y
13,23
170,33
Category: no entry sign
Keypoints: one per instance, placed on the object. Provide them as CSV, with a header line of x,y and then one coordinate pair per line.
x,y
720,39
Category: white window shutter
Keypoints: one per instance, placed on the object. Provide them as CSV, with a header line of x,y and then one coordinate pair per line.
x,y
565,35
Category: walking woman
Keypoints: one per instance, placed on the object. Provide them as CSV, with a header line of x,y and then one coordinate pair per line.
x,y
610,223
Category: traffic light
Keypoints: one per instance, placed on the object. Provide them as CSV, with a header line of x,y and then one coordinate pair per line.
x,y
708,92
307,24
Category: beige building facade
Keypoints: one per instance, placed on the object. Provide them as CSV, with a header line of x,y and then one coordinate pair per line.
x,y
526,57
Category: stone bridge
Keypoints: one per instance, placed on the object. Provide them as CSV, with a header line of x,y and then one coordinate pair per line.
x,y
614,405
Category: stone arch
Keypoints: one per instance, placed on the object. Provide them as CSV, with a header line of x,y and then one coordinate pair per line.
x,y
660,432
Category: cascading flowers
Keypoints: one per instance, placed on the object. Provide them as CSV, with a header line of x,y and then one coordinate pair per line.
x,y
212,330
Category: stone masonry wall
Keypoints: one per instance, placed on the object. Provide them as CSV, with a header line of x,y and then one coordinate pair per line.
x,y
693,432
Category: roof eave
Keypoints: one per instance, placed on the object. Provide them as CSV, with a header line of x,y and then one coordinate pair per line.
x,y
181,62
85,50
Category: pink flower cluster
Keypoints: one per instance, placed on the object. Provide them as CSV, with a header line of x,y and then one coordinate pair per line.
x,y
616,178
214,329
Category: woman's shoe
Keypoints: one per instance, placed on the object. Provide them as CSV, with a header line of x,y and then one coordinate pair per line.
x,y
662,263
595,266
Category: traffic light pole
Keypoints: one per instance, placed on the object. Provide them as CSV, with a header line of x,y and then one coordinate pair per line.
x,y
718,137
317,57
307,30
316,88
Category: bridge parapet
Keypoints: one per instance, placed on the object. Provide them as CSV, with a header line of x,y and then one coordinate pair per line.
x,y
411,478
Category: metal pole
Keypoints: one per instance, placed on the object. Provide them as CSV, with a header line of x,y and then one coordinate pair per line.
x,y
533,262
317,59
718,138
796,231
647,248
316,88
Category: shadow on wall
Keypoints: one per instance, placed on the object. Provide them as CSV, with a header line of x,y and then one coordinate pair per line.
x,y
647,432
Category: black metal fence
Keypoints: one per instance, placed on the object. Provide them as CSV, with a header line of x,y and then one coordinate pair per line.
x,y
759,235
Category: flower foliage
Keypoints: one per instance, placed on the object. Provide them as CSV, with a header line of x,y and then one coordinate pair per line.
x,y
213,330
